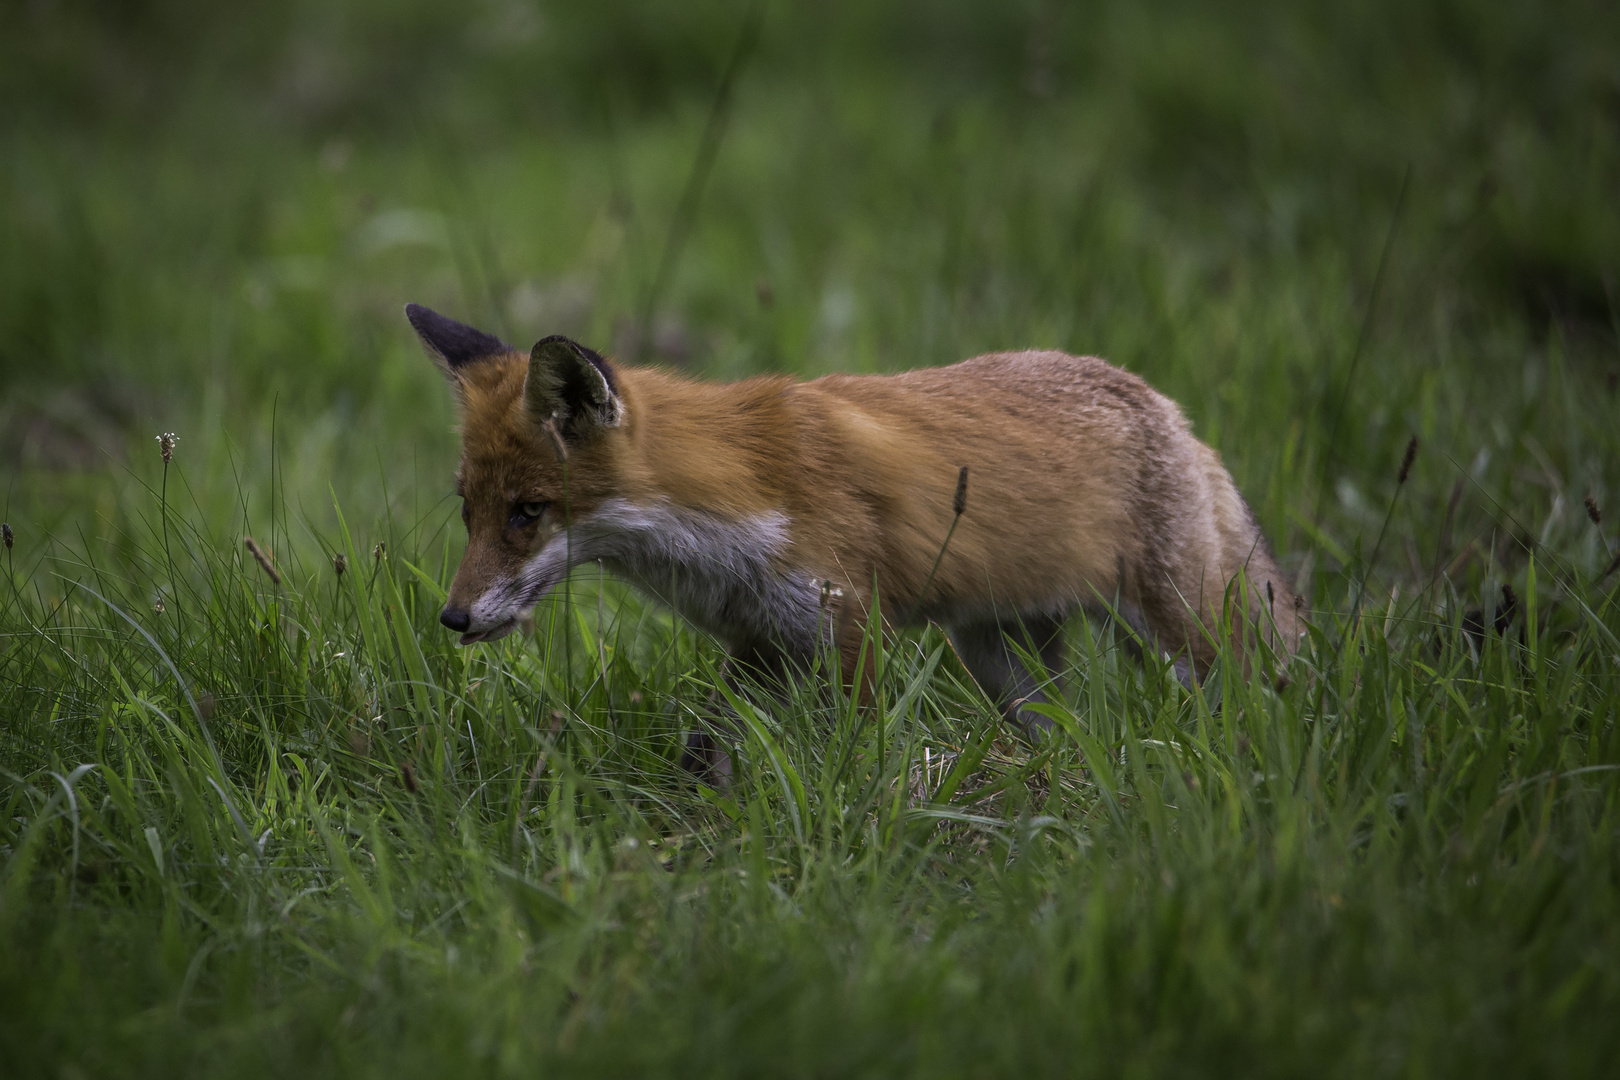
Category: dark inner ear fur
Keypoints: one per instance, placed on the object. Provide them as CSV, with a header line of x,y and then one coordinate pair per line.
x,y
452,344
572,383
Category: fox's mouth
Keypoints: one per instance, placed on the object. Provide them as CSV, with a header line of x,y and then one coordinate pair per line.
x,y
494,633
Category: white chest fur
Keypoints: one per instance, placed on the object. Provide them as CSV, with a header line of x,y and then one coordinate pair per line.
x,y
726,575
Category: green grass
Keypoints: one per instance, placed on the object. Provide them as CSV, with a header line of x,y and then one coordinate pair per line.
x,y
291,829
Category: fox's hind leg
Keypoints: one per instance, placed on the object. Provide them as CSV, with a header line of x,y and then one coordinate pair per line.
x,y
1138,635
993,651
1194,624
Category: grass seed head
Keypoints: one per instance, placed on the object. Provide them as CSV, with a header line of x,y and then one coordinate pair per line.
x,y
1406,462
1593,512
166,443
6,534
407,776
263,558
340,563
959,503
380,552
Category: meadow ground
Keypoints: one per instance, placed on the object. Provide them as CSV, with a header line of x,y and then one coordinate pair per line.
x,y
280,825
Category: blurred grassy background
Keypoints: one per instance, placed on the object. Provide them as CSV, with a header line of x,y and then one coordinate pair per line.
x,y
210,218
325,841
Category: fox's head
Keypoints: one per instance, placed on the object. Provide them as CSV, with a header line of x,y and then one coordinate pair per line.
x,y
539,436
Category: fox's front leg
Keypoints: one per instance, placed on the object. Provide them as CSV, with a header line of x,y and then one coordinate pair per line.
x,y
789,649
707,754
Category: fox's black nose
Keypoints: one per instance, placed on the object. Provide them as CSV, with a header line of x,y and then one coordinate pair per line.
x,y
455,620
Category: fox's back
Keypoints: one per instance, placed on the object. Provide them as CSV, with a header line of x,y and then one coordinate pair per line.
x,y
1062,454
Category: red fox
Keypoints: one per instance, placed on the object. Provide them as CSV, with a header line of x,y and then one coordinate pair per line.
x,y
751,507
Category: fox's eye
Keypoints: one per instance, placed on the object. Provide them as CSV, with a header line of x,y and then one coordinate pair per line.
x,y
466,515
523,513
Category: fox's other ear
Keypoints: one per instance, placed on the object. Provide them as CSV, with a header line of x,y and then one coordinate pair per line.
x,y
451,344
572,384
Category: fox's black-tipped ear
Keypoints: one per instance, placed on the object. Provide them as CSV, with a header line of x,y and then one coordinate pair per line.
x,y
573,385
451,344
